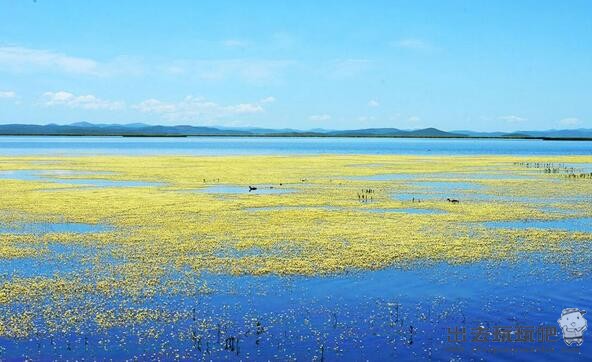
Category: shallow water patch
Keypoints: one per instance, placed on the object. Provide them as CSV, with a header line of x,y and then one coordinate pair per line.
x,y
582,224
408,210
233,189
445,175
35,267
46,227
55,259
415,197
432,190
448,185
54,176
501,175
557,210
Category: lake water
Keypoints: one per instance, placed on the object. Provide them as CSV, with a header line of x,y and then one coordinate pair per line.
x,y
24,145
394,313
54,177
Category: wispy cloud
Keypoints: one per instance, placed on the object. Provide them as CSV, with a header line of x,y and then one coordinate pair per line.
x,y
319,117
29,60
570,121
7,94
413,44
193,108
23,59
89,101
249,70
373,103
267,100
513,119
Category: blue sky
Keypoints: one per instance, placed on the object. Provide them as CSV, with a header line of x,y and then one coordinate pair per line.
x,y
481,65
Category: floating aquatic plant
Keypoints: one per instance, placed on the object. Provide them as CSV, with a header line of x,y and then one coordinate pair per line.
x,y
162,239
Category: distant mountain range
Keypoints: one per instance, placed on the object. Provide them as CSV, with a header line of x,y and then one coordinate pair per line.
x,y
145,130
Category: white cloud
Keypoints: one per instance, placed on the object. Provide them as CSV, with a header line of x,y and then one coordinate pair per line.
x,y
373,103
7,94
570,121
320,117
244,108
513,119
413,43
199,109
89,101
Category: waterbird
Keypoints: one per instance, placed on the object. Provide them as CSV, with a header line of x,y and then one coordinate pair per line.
x,y
252,188
454,201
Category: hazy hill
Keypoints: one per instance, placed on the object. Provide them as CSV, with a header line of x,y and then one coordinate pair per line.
x,y
139,129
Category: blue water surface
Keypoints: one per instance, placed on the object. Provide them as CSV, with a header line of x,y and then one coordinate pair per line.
x,y
56,145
